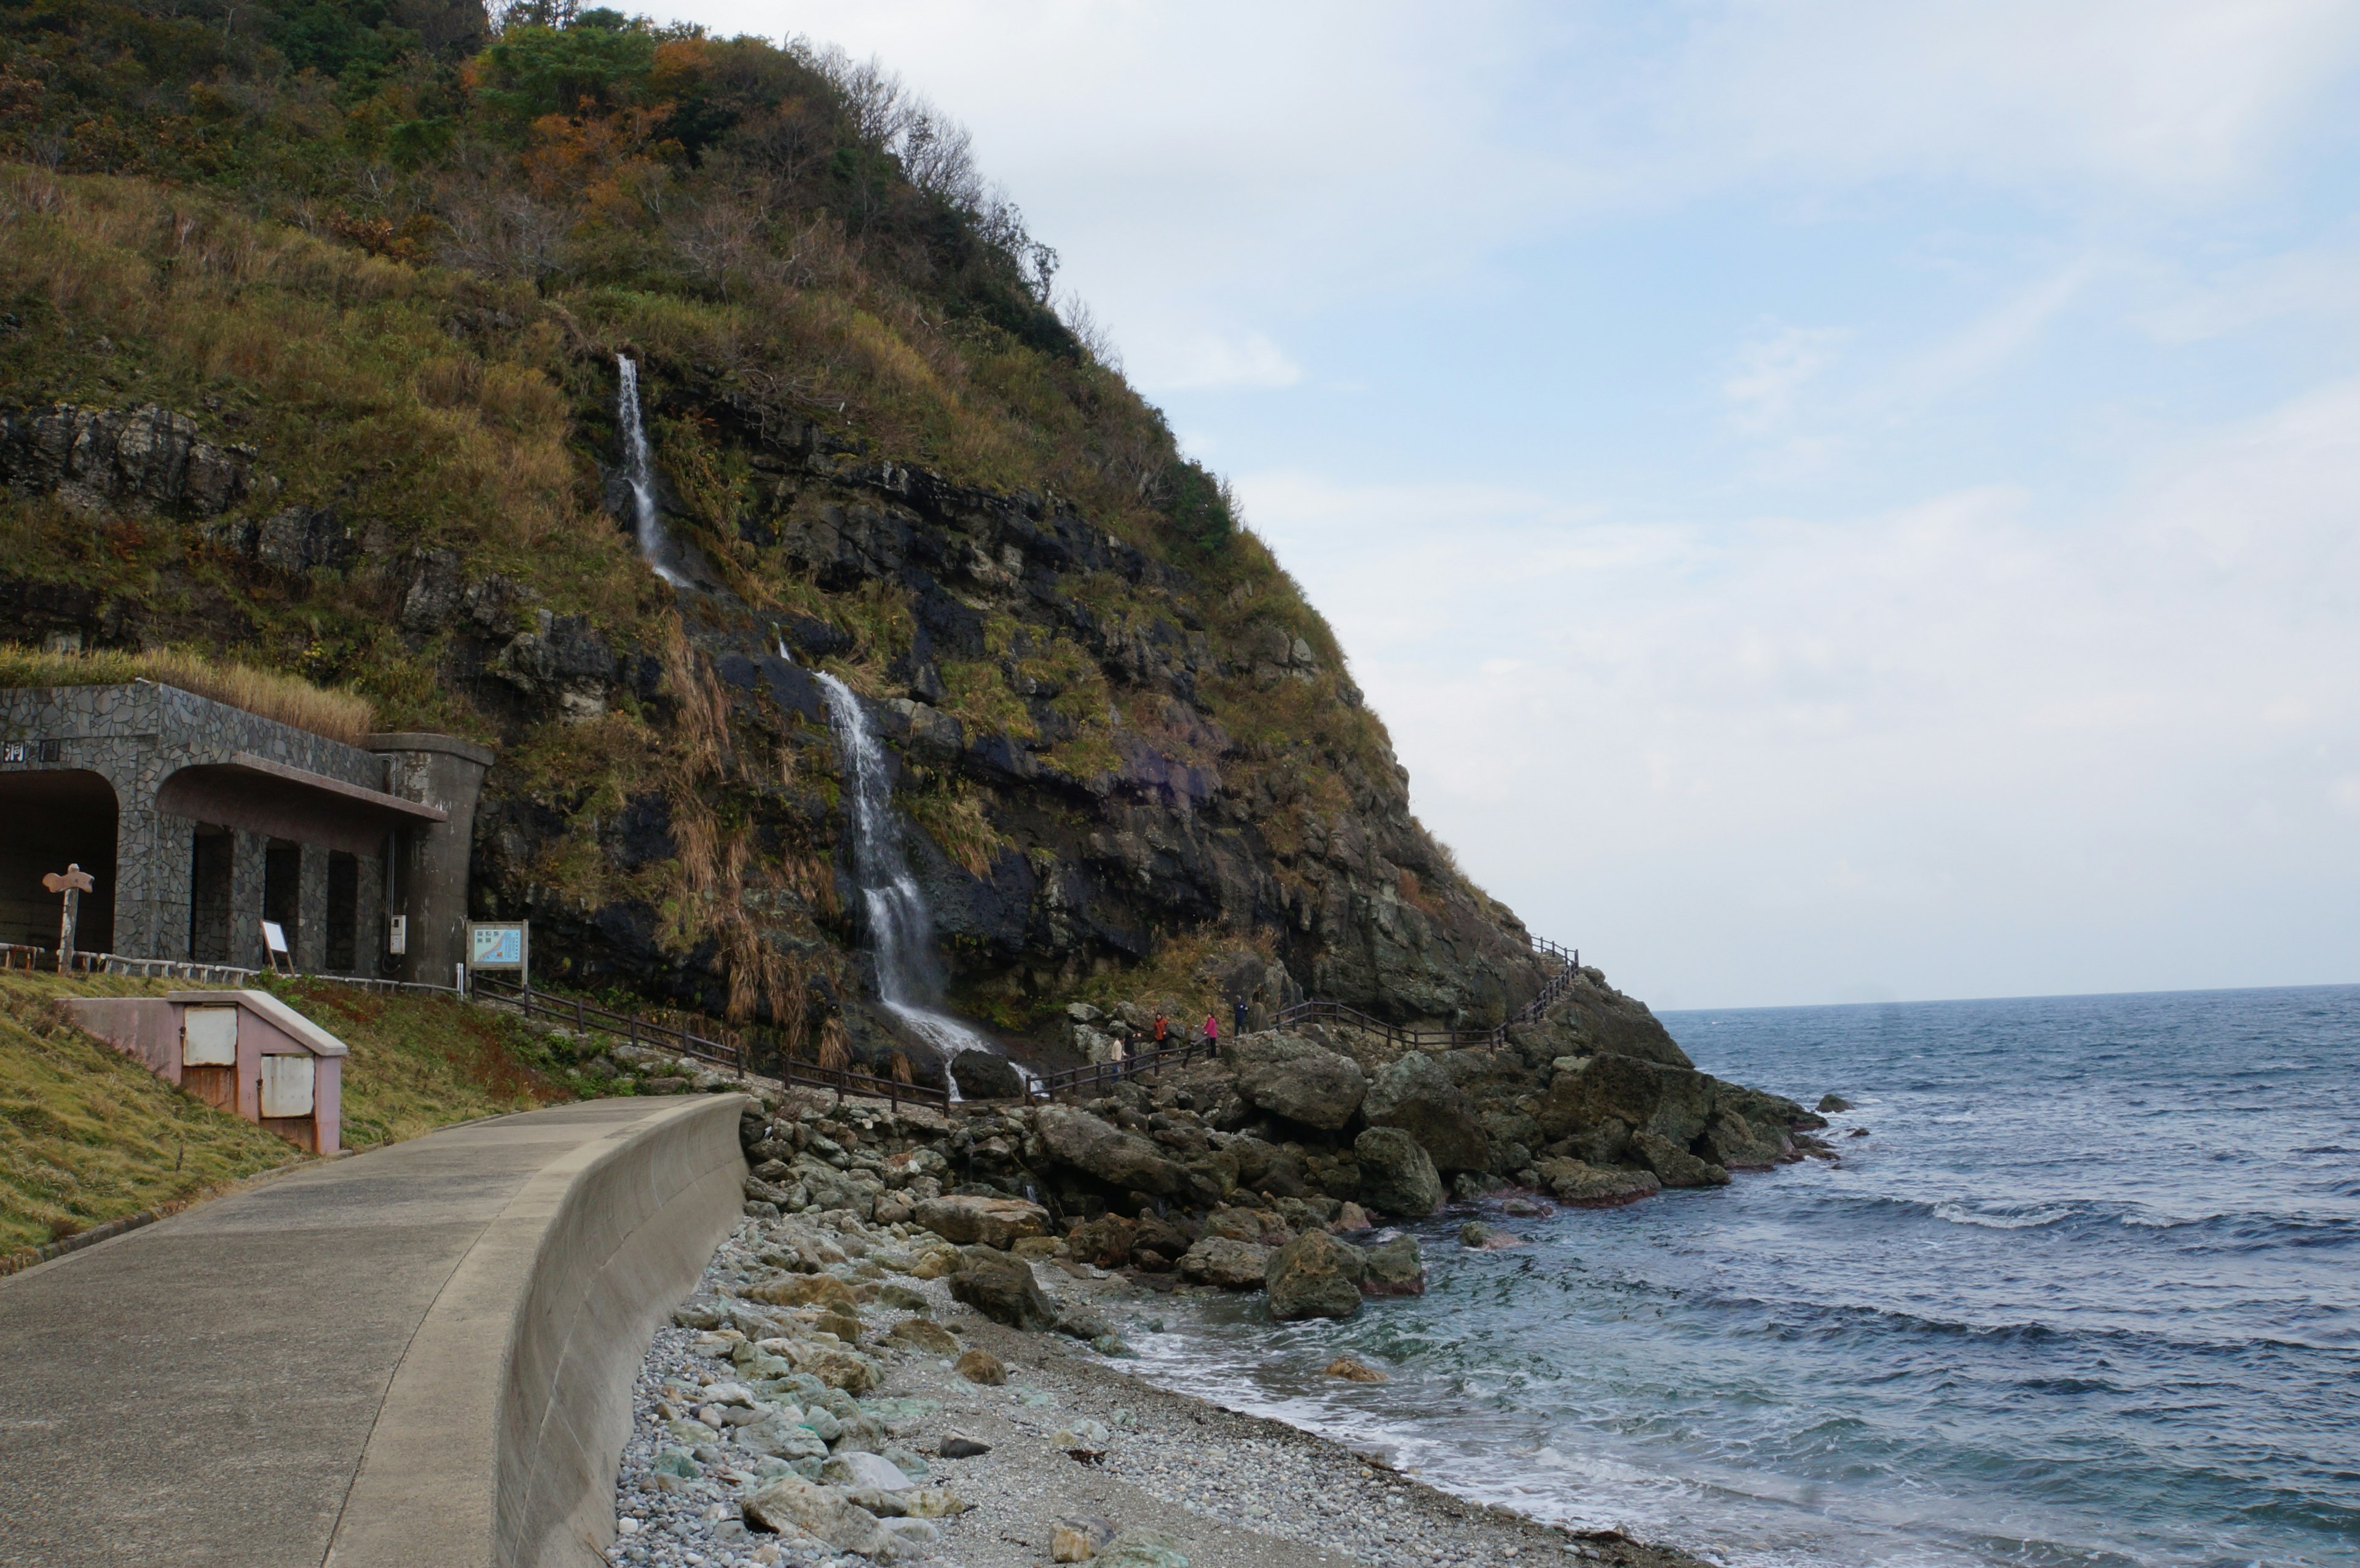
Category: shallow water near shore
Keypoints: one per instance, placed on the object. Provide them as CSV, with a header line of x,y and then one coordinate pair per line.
x,y
2087,1293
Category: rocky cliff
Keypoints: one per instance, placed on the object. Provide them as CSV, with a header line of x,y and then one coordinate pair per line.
x,y
311,351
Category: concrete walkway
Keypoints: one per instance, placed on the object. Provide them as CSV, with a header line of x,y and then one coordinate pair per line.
x,y
202,1390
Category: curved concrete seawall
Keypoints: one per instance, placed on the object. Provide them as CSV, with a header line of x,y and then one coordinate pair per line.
x,y
422,1354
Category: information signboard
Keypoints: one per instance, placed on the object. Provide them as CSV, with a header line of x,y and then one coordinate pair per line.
x,y
499,946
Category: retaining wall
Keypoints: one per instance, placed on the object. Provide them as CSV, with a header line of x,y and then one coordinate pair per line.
x,y
500,1435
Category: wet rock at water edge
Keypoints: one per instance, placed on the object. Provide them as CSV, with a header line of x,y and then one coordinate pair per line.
x,y
1675,1166
1396,1175
1230,1264
1314,1276
1583,1186
1393,1269
1353,1370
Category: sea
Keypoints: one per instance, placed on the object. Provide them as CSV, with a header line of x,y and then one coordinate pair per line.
x,y
2081,1289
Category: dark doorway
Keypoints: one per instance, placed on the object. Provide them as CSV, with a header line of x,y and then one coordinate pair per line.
x,y
211,867
49,820
343,913
282,889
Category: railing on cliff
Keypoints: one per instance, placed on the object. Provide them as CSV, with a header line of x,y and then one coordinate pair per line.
x,y
1147,1063
731,1055
1560,980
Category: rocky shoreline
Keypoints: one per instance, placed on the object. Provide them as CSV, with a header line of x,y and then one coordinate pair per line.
x,y
931,1434
913,1347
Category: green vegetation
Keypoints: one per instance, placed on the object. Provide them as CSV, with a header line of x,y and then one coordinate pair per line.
x,y
393,252
88,1135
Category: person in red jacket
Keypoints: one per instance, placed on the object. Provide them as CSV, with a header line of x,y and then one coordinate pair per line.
x,y
1160,1027
1212,1029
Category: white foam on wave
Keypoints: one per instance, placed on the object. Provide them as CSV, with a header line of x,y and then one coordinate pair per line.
x,y
1987,1219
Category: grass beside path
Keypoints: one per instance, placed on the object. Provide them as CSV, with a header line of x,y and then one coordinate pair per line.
x,y
88,1135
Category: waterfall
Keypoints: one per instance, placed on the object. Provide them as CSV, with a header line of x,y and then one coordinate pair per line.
x,y
654,547
900,928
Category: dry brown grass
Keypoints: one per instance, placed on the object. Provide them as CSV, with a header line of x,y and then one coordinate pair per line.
x,y
340,715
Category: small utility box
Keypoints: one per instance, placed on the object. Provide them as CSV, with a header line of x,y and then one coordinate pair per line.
x,y
246,1053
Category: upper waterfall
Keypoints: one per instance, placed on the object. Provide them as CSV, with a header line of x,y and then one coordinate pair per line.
x,y
655,549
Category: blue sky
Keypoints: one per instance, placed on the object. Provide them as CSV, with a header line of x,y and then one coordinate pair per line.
x,y
1835,502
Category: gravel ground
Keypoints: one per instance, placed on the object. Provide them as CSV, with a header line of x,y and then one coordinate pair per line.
x,y
1187,1482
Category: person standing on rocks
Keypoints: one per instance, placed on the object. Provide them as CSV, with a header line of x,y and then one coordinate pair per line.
x,y
1239,1007
1160,1028
1212,1031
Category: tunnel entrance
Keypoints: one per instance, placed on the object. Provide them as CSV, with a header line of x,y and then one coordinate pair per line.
x,y
49,820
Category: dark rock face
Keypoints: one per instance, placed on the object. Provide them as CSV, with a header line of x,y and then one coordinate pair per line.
x,y
1123,1160
1395,1174
1002,1289
1393,1269
111,459
1296,1079
1584,1186
1415,1094
1672,1103
1594,1018
1675,1166
983,1075
1314,1276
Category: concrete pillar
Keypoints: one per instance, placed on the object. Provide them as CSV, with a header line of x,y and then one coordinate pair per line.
x,y
368,924
246,948
166,914
430,867
310,937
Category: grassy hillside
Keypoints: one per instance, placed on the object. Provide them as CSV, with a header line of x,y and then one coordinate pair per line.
x,y
87,1135
381,258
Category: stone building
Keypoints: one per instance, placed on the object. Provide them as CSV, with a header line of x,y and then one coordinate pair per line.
x,y
200,821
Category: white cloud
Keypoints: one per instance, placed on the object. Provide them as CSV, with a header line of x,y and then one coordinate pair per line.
x,y
1771,368
1200,361
2025,736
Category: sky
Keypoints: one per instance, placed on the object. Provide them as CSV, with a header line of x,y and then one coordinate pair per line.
x,y
1834,501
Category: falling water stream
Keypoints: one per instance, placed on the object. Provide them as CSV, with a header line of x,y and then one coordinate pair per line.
x,y
655,549
900,928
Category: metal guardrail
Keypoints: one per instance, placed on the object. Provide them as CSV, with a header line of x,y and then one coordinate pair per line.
x,y
1098,1074
731,1054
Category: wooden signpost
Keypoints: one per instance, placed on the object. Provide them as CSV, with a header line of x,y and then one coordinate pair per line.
x,y
73,882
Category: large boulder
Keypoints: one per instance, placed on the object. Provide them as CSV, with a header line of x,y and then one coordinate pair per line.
x,y
1105,1241
1675,1166
1291,1077
1585,1186
1002,1286
793,1503
1393,1269
1230,1264
986,1075
1123,1160
1417,1096
1396,1174
993,1222
1314,1276
1266,1167
1737,1144
1673,1103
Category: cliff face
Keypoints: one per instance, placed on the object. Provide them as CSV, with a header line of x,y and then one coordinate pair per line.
x,y
322,372
1055,700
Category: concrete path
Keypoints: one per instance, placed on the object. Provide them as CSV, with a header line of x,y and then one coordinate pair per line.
x,y
200,1391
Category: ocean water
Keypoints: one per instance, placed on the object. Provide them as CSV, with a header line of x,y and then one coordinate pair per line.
x,y
2087,1292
